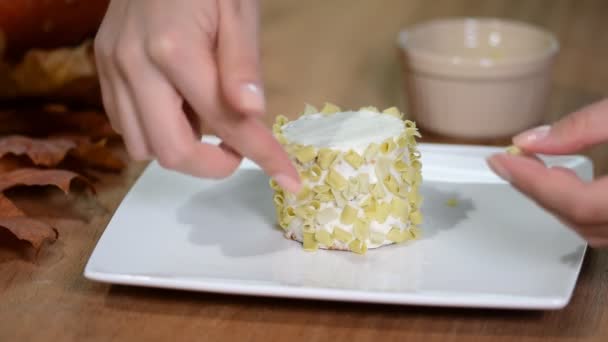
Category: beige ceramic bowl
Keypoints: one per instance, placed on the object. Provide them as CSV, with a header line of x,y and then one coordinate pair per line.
x,y
477,78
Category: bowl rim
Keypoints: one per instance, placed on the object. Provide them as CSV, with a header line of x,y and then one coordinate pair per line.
x,y
422,53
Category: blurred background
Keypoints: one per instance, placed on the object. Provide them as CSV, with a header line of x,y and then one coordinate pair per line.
x,y
339,50
343,51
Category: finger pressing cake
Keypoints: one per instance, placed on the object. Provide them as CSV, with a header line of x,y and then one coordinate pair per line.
x,y
360,174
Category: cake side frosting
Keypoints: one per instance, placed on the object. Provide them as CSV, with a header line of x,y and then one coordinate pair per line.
x,y
361,174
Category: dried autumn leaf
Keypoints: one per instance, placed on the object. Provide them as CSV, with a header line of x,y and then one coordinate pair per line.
x,y
30,177
10,163
63,73
50,152
98,156
25,228
44,152
48,24
42,121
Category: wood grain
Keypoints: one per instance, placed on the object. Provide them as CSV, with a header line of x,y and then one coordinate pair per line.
x,y
316,50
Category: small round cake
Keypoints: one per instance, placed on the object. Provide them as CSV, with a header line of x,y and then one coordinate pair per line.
x,y
360,174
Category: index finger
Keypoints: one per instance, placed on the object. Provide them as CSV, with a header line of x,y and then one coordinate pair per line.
x,y
562,193
168,132
245,134
575,132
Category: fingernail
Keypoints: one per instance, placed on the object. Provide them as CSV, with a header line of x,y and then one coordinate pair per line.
x,y
252,98
532,136
500,170
288,183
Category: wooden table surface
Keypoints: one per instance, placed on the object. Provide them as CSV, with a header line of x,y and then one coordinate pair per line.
x,y
315,50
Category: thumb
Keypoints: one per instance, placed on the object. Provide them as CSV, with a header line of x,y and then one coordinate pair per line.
x,y
238,56
573,133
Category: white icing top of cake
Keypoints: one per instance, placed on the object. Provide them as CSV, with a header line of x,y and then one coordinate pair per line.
x,y
343,131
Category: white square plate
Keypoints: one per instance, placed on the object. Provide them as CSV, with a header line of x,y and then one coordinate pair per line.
x,y
494,249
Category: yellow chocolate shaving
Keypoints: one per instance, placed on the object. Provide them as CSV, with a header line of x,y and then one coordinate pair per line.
x,y
340,200
390,183
281,139
304,175
279,200
276,129
353,159
281,120
371,152
409,124
412,141
326,157
399,208
416,164
309,242
400,166
514,150
365,201
315,173
342,235
274,185
322,236
358,246
413,132
452,202
409,176
418,179
382,211
402,141
404,191
330,108
353,186
321,188
348,216
401,155
283,224
363,179
369,109
377,190
308,227
382,167
304,212
289,197
396,235
414,197
336,181
370,209
326,215
416,217
292,148
415,232
304,194
377,238
361,229
387,146
324,197
288,214
393,111
309,109
305,154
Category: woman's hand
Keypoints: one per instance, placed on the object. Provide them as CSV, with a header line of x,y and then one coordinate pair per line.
x,y
582,206
156,56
